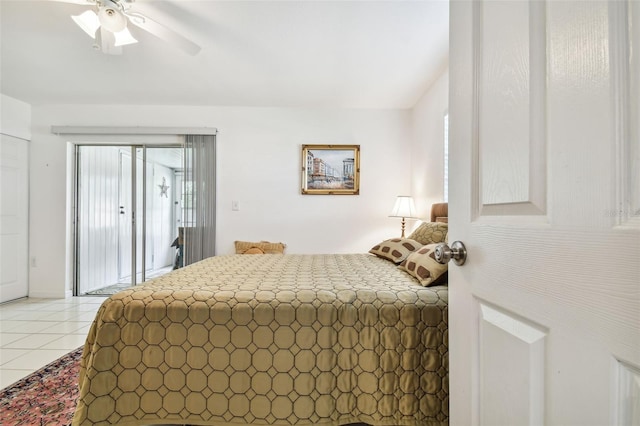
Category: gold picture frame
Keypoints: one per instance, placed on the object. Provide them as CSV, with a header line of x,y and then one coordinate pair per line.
x,y
331,169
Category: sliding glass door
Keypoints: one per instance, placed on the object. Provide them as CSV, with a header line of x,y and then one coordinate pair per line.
x,y
127,215
162,209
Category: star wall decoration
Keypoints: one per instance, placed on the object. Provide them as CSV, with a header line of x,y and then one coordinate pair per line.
x,y
164,188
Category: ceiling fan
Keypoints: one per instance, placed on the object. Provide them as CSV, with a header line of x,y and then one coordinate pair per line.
x,y
107,21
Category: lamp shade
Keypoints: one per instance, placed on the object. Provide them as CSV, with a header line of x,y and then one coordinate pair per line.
x,y
404,207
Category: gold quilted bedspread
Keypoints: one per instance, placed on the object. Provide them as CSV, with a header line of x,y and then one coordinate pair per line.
x,y
270,339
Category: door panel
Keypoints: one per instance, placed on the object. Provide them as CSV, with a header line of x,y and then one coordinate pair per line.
x,y
512,87
98,216
139,174
545,313
627,411
127,222
124,218
14,218
514,376
511,136
626,81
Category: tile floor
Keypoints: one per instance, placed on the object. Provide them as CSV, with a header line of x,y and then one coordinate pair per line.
x,y
35,332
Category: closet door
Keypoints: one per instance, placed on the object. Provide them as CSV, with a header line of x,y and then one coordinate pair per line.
x,y
14,218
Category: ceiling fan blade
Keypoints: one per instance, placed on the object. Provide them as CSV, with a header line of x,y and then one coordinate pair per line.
x,y
80,2
163,32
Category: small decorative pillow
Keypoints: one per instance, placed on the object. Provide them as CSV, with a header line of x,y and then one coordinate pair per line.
x,y
253,250
395,249
264,246
430,232
422,265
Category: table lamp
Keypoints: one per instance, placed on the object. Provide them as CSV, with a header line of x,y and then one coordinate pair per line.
x,y
404,208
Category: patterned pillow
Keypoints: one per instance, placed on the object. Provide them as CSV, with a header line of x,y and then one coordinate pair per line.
x,y
395,249
253,250
264,246
422,265
430,232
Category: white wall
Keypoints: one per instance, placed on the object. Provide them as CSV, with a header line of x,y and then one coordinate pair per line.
x,y
15,118
427,167
259,165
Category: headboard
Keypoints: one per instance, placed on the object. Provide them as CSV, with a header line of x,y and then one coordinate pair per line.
x,y
440,212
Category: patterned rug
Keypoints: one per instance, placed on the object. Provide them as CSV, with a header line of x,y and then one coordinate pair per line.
x,y
46,397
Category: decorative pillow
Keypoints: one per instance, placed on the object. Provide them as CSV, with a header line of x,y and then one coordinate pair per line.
x,y
422,265
395,249
430,232
264,246
253,250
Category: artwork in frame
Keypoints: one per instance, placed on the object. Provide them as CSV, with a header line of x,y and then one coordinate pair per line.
x,y
331,169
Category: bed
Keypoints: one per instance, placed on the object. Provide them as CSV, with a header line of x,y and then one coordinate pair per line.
x,y
270,339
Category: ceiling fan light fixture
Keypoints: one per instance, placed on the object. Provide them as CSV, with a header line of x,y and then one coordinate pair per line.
x,y
111,18
107,24
88,21
136,18
124,37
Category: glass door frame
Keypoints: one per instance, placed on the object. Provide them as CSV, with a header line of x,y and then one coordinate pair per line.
x,y
134,216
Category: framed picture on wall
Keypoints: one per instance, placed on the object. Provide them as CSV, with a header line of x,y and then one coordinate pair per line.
x,y
331,169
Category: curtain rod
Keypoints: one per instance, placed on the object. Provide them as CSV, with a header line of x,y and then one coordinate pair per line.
x,y
93,130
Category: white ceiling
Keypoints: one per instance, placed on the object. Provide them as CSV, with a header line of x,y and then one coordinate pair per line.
x,y
360,54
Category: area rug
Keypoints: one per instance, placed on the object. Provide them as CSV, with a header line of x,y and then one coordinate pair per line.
x,y
46,397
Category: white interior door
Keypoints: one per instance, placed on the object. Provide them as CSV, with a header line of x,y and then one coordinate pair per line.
x,y
545,194
14,218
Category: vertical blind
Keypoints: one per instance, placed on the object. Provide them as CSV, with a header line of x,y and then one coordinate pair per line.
x,y
198,202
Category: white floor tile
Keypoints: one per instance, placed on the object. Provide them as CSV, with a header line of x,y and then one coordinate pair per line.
x,y
67,327
87,316
35,359
7,314
6,338
89,307
31,316
36,307
7,355
68,342
33,341
93,299
9,377
61,316
26,326
84,330
7,326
